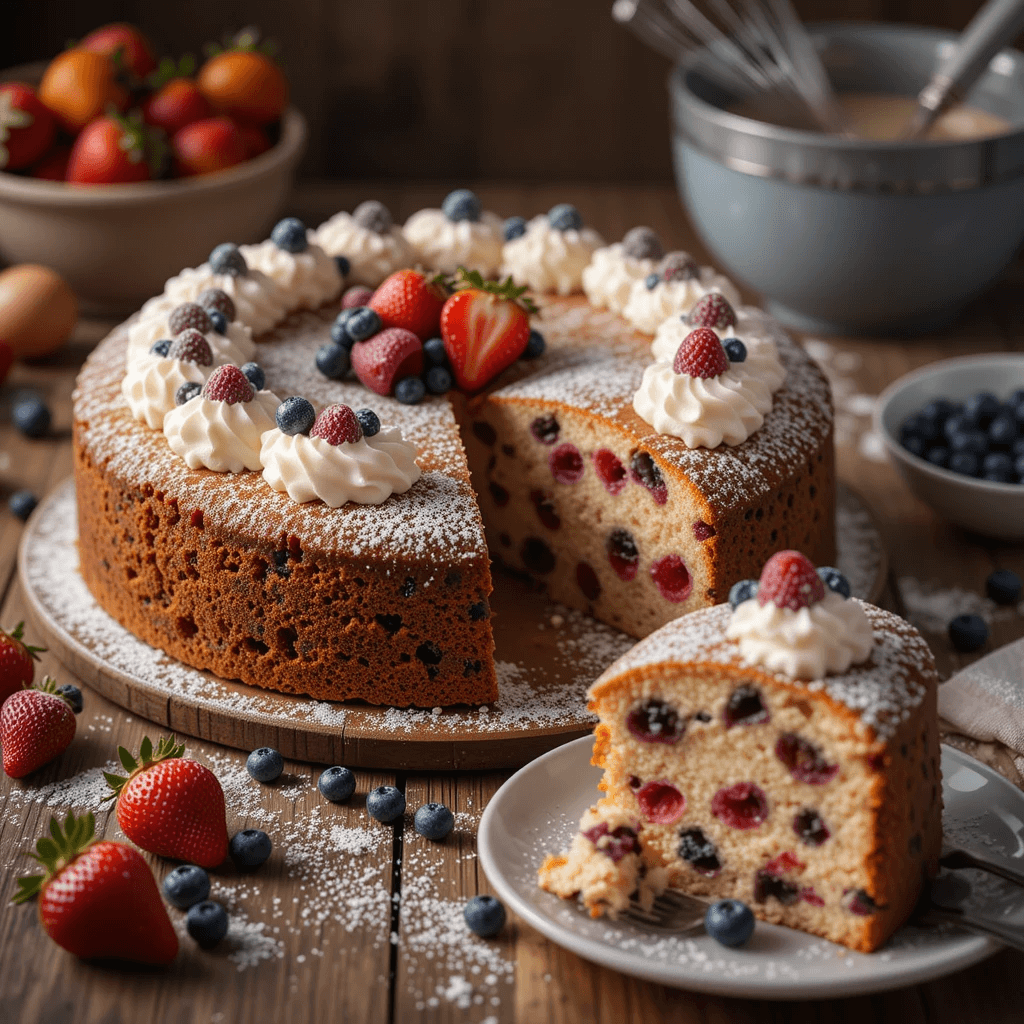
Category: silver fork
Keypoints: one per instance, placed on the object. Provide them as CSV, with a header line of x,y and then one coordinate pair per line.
x,y
672,911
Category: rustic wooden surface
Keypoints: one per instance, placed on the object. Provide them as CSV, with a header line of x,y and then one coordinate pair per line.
x,y
326,972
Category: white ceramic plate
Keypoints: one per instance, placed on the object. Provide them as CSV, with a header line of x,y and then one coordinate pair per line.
x,y
537,811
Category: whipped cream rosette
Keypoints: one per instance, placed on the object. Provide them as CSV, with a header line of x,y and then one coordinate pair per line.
x,y
613,270
460,234
309,278
235,345
221,427
798,621
715,390
374,246
338,462
552,253
672,290
150,386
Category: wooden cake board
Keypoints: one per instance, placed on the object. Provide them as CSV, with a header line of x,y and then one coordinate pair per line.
x,y
547,656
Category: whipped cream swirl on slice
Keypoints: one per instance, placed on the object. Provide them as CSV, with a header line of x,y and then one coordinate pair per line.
x,y
309,278
221,436
826,637
704,412
372,256
151,383
260,302
647,308
445,245
609,277
547,259
235,347
367,471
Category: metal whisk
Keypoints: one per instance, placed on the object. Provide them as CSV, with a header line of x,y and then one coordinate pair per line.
x,y
759,49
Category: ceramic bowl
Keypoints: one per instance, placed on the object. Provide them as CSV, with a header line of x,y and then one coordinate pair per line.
x,y
995,510
848,236
116,245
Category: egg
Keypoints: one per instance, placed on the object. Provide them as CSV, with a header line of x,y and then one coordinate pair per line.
x,y
37,310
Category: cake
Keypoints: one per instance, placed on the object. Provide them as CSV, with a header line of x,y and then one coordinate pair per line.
x,y
783,752
382,594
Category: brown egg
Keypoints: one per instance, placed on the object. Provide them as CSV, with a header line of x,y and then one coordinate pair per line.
x,y
37,310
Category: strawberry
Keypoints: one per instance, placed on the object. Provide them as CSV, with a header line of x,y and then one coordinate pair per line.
x,y
129,49
109,150
191,347
337,424
36,725
387,357
170,806
26,126
485,327
789,580
410,299
98,899
16,658
244,82
53,166
701,355
712,310
228,384
202,147
175,104
254,139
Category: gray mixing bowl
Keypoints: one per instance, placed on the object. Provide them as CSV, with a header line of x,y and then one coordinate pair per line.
x,y
850,236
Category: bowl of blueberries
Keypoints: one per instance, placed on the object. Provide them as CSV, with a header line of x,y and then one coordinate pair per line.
x,y
955,431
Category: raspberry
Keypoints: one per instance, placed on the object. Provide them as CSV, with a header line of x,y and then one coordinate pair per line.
x,y
218,299
191,347
713,310
546,511
615,844
810,827
678,266
767,885
189,314
783,863
611,470
672,578
355,297
588,582
789,580
545,429
661,803
646,472
567,466
623,554
228,384
701,355
742,806
337,424
804,760
745,707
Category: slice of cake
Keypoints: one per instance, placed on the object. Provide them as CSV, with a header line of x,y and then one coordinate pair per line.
x,y
782,750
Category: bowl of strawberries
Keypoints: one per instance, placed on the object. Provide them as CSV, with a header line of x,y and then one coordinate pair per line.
x,y
117,169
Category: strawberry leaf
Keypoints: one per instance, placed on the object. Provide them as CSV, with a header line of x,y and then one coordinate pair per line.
x,y
146,749
28,886
507,289
46,851
126,759
56,852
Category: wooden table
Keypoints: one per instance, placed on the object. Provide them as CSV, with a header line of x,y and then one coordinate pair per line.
x,y
334,946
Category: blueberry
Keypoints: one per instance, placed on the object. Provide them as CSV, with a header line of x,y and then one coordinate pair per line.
x,y
337,784
362,323
257,378
1018,467
938,409
1016,399
410,390
514,227
73,695
938,456
31,416
462,205
434,821
535,345
972,441
343,265
834,580
385,803
227,259
160,348
982,408
333,361
295,415
207,923
967,633
438,380
218,321
642,244
434,352
249,848
22,504
1002,431
374,216
730,922
956,423
1017,448
264,764
339,335
651,282
369,421
915,445
735,350
742,591
187,392
290,235
186,886
565,217
1003,586
997,464
964,463
484,916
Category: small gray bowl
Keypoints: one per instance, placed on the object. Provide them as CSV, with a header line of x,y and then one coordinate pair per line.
x,y
995,510
847,236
